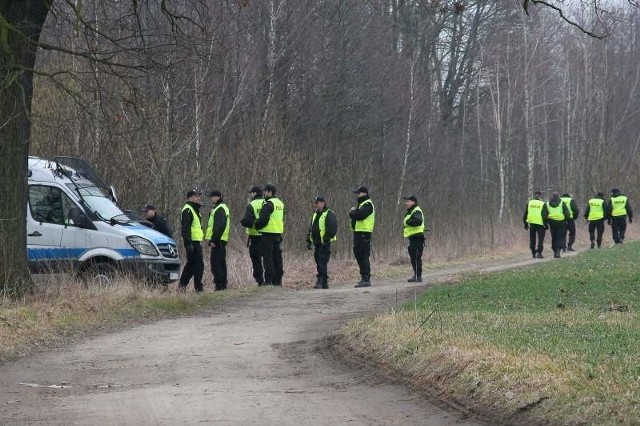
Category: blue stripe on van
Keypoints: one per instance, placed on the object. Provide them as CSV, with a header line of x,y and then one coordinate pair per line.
x,y
51,253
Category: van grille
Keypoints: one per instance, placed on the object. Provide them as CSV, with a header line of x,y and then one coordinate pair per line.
x,y
168,250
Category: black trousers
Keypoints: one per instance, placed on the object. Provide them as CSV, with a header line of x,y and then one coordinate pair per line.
x,y
255,253
558,232
536,232
618,228
272,257
322,255
362,251
596,225
416,246
571,231
194,268
219,264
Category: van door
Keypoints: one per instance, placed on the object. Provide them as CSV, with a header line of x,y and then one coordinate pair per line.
x,y
45,228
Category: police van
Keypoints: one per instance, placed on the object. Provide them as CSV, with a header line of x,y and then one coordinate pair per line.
x,y
73,225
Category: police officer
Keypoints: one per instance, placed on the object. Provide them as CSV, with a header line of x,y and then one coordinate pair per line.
x,y
158,222
218,234
620,209
322,231
251,214
533,222
555,214
362,222
595,213
571,223
192,235
270,224
414,230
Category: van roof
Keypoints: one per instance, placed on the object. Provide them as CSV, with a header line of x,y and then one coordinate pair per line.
x,y
43,170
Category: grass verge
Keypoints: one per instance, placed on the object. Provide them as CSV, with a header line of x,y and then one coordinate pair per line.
x,y
555,343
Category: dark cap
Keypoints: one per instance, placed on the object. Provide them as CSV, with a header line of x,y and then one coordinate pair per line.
x,y
193,192
537,193
361,189
411,198
148,207
270,188
256,189
215,193
319,199
615,191
600,194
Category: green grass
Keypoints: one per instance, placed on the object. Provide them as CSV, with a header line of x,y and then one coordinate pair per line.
x,y
558,342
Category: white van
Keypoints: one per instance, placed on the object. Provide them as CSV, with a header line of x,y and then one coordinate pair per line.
x,y
73,226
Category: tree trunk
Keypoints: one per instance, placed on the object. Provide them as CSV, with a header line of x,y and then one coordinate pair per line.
x,y
17,59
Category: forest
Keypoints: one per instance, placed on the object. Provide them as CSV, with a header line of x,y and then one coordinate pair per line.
x,y
471,106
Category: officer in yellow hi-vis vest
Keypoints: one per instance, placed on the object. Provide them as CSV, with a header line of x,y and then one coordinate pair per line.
x,y
555,214
251,214
217,234
620,209
574,213
532,220
322,232
192,235
413,224
362,222
270,224
596,213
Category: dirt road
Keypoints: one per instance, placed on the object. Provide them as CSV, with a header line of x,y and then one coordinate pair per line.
x,y
255,360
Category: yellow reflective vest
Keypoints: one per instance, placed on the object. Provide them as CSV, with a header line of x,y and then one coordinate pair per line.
x,y
276,219
534,212
596,209
567,202
225,233
196,227
256,207
619,205
322,225
367,224
556,213
413,230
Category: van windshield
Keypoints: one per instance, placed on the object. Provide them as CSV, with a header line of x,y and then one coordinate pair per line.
x,y
99,204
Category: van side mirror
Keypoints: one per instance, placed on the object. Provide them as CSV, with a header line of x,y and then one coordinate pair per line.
x,y
76,217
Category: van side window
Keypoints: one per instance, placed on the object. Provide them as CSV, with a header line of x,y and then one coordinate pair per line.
x,y
49,204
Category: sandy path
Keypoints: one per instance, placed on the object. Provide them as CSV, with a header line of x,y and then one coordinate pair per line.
x,y
256,360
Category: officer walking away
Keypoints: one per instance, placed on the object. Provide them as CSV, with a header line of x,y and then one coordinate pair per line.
x,y
192,235
323,230
270,224
620,209
555,214
251,214
595,213
574,213
533,222
414,230
362,222
158,222
218,234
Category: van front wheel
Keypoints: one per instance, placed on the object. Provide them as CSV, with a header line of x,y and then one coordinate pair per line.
x,y
102,274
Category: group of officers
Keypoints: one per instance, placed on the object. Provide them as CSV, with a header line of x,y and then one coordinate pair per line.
x,y
560,213
263,220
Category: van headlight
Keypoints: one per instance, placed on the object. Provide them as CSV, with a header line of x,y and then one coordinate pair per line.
x,y
142,245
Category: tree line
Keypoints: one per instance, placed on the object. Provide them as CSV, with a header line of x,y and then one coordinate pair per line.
x,y
468,105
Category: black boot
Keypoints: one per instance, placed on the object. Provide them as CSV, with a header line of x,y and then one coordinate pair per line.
x,y
364,282
325,283
556,254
